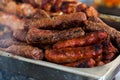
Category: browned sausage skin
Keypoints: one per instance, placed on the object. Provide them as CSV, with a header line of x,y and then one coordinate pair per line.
x,y
109,51
92,38
35,35
25,51
66,55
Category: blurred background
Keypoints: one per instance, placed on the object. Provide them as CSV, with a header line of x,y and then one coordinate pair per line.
x,y
111,7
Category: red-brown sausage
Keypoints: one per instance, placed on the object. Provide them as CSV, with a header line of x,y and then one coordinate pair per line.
x,y
109,51
73,54
89,39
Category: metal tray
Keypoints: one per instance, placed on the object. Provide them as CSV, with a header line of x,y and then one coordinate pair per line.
x,y
43,70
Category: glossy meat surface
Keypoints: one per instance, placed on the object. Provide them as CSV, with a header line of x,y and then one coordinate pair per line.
x,y
89,39
35,35
73,54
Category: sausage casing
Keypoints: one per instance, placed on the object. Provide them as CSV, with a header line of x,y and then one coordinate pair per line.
x,y
65,55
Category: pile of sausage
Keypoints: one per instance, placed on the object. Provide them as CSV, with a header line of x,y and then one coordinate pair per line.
x,y
77,39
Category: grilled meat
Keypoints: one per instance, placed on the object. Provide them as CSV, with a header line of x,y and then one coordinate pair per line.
x,y
114,34
66,55
35,3
109,51
81,7
89,39
98,58
59,22
19,9
25,51
100,63
91,11
35,35
24,10
20,35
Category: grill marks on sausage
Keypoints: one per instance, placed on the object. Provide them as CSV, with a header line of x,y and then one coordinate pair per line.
x,y
35,35
20,35
101,26
109,51
89,39
66,55
59,22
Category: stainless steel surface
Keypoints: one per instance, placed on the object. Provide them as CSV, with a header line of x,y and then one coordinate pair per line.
x,y
53,71
43,70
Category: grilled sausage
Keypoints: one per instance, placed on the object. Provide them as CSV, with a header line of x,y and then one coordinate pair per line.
x,y
19,9
89,39
20,35
59,22
25,51
109,51
91,11
98,58
35,35
73,54
114,34
100,63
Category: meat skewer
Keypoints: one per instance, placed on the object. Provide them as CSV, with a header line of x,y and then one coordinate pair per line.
x,y
89,39
25,51
66,55
59,22
35,35
87,63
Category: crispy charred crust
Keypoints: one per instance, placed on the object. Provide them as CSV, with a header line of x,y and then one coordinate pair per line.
x,y
113,33
109,51
72,54
35,35
59,22
20,35
90,39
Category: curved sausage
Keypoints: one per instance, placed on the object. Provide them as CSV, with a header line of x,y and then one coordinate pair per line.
x,y
73,54
89,39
